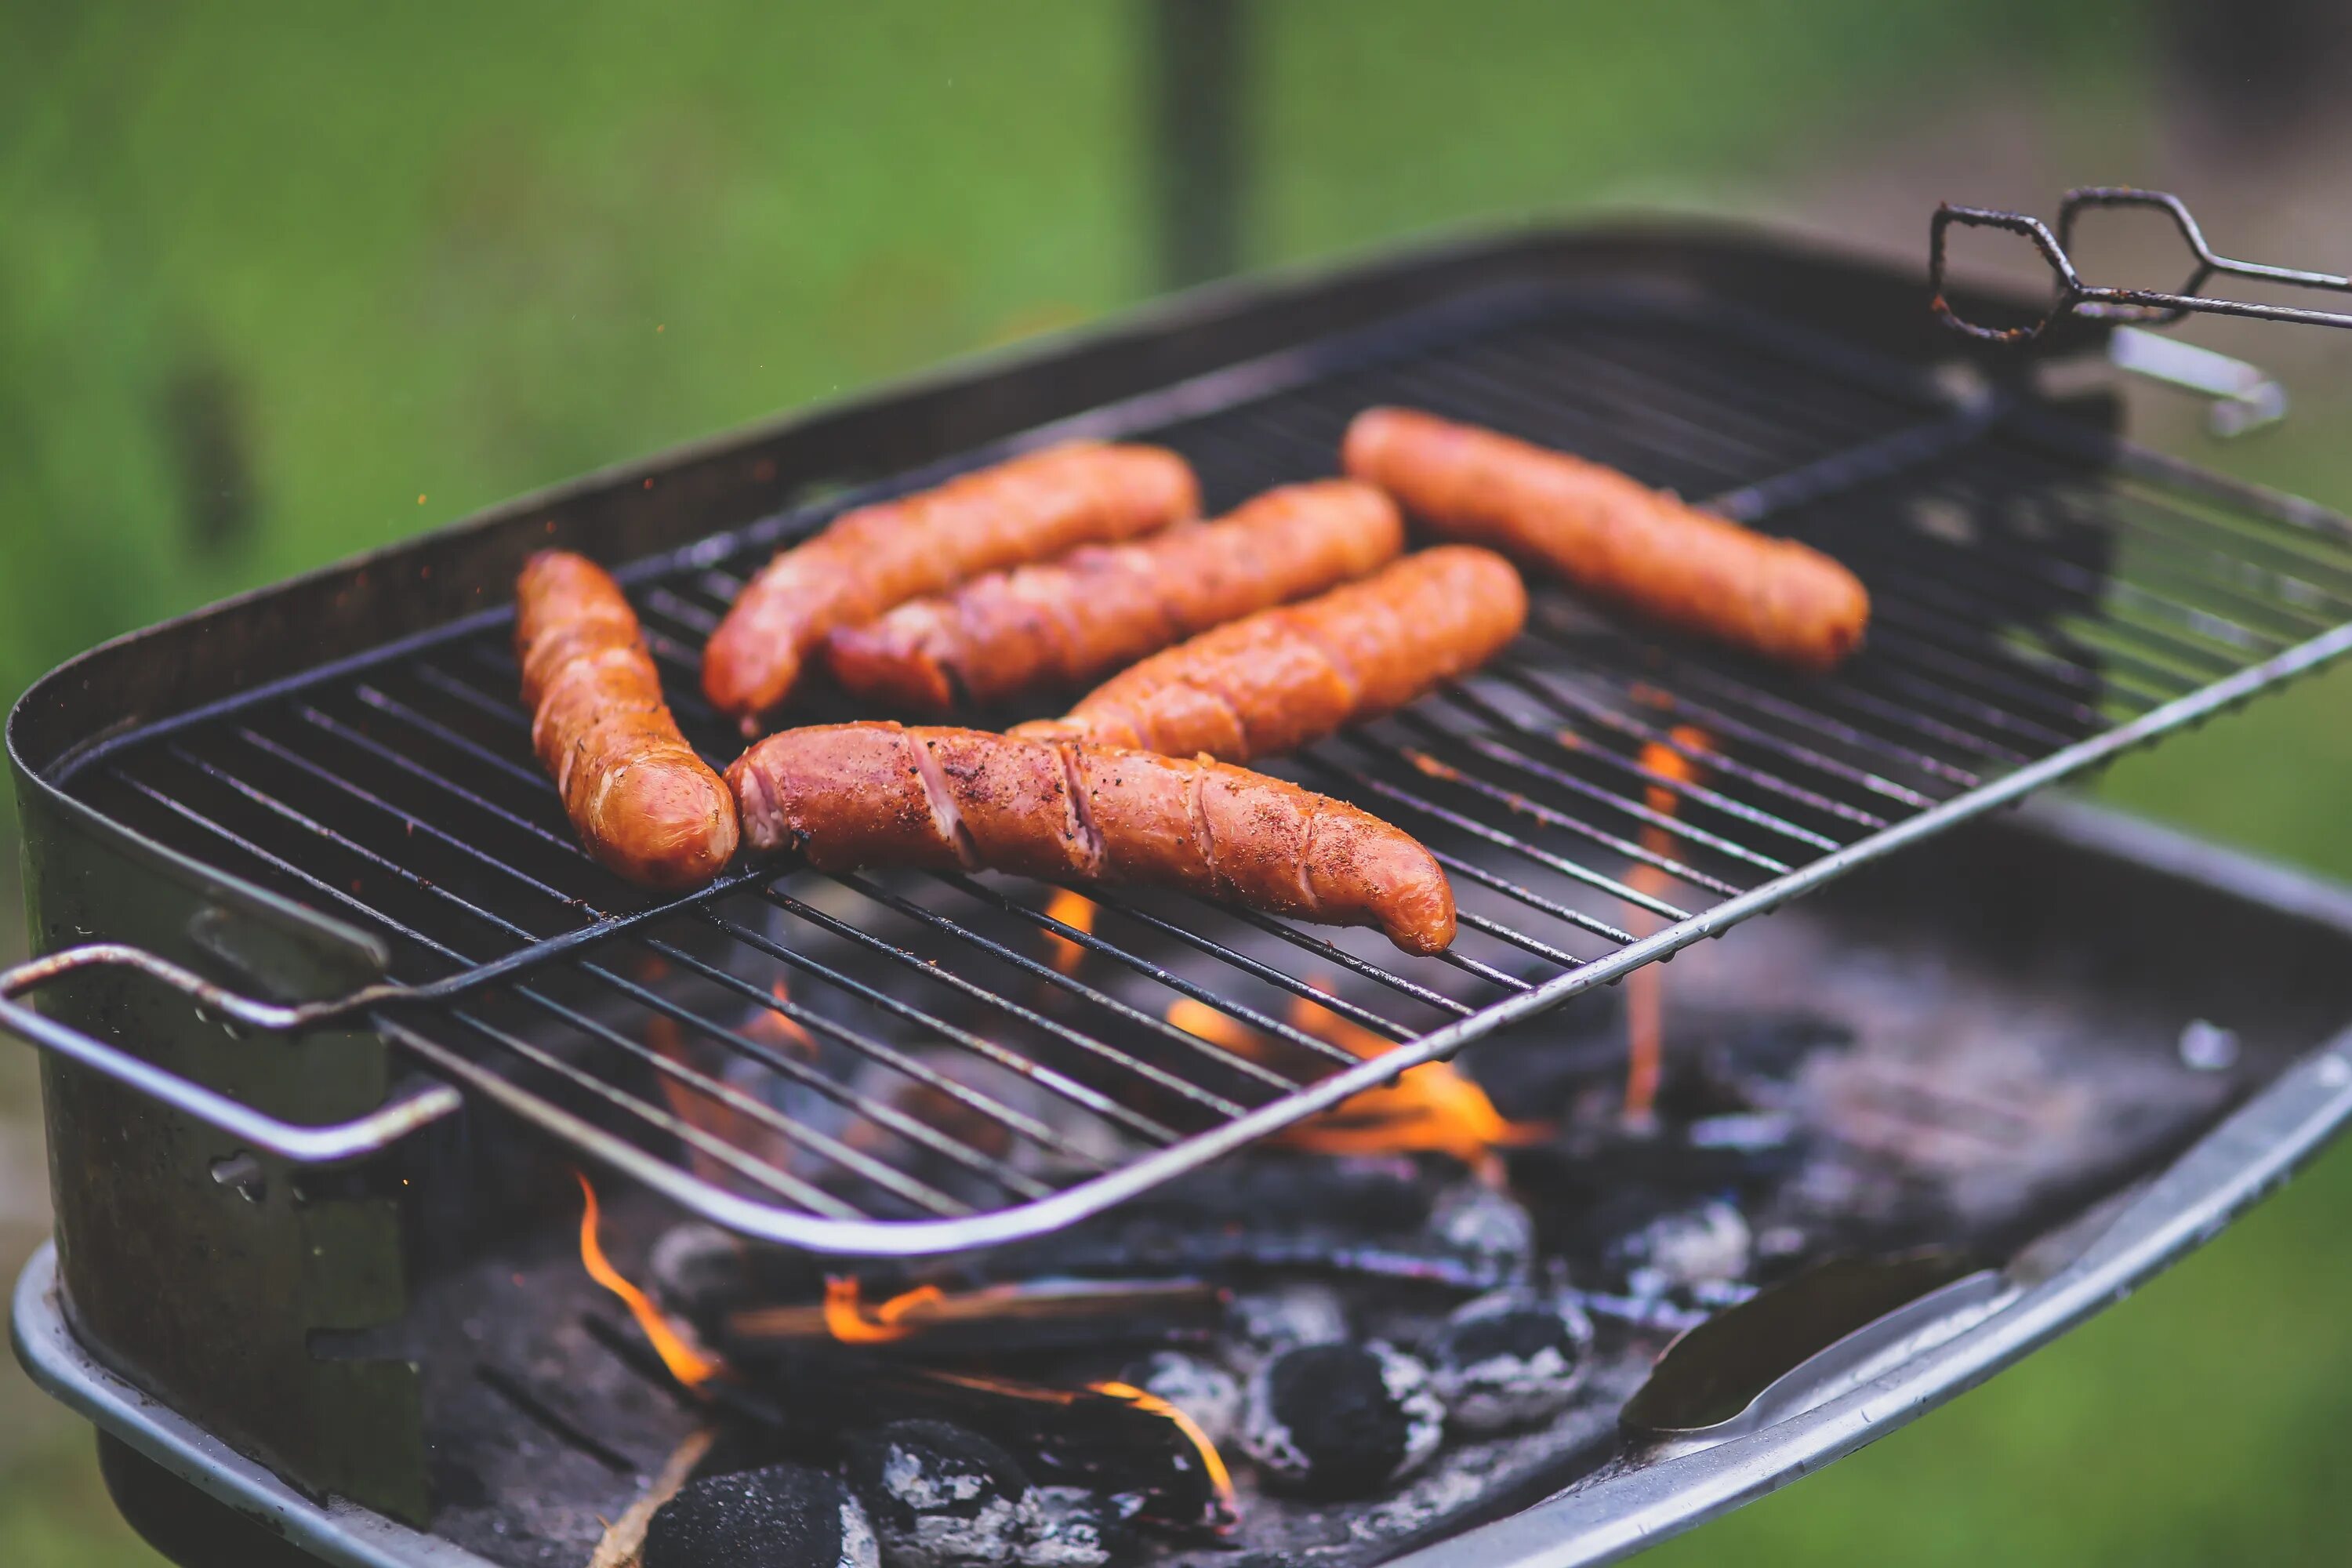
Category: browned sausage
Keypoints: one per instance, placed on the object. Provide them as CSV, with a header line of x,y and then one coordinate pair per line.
x,y
1284,678
1615,537
1103,606
846,796
643,803
877,556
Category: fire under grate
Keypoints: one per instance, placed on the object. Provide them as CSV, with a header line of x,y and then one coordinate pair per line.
x,y
900,1064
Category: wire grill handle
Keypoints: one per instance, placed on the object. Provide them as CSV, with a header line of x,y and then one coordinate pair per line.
x,y
2143,307
308,1145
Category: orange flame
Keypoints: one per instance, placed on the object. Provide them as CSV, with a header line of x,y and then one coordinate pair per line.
x,y
848,1321
775,1024
686,1361
1431,1108
1077,912
1213,1463
1217,1028
1645,1026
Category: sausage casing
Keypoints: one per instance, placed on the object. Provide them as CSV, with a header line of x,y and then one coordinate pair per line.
x,y
642,802
1279,680
878,794
877,556
1072,620
1615,537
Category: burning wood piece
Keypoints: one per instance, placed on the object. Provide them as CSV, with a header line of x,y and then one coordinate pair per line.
x,y
1057,1314
1210,1394
943,1496
1283,1212
782,1516
1110,1438
1340,1421
1510,1359
624,1537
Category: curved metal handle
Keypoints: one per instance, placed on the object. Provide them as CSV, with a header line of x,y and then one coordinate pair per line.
x,y
308,1145
2144,307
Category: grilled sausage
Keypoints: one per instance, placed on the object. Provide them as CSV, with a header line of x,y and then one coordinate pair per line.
x,y
1284,678
1615,537
877,556
846,796
1100,607
643,803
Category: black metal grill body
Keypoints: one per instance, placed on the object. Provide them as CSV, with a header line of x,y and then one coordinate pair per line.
x,y
2040,593
2124,931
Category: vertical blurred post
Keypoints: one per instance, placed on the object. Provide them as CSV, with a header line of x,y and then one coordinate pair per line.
x,y
1197,79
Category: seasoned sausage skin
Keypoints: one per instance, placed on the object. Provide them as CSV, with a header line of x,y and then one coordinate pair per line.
x,y
1615,537
877,556
642,802
1279,680
1102,606
849,795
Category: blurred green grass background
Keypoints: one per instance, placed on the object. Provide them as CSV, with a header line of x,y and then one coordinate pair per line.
x,y
279,283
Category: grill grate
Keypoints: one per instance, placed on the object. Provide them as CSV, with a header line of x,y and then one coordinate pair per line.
x,y
900,1063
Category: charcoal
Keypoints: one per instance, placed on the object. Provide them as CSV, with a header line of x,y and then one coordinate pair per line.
x,y
1267,1323
1708,1243
783,1516
1209,1395
1510,1359
1477,1221
942,1496
1340,1420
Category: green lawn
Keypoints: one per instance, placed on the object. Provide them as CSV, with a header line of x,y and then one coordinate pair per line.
x,y
277,283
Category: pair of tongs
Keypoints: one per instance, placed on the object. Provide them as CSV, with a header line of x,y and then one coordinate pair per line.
x,y
2139,307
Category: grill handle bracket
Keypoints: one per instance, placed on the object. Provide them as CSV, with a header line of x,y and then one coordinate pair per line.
x,y
2096,302
376,1131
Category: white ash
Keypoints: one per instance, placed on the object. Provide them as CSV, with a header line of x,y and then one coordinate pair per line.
x,y
1070,1528
1478,1220
1210,1394
1510,1359
942,1497
1708,1245
1265,1324
1340,1420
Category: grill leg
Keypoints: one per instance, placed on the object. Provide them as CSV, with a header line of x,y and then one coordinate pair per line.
x,y
188,1526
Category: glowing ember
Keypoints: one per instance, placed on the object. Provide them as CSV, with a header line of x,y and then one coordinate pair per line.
x,y
847,1320
1212,1462
686,1361
1646,987
1079,914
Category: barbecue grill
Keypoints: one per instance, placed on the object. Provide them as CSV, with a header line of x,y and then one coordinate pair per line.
x,y
317,943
